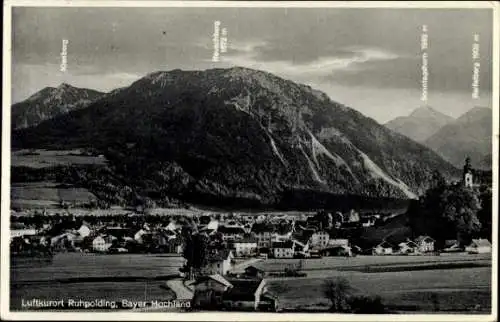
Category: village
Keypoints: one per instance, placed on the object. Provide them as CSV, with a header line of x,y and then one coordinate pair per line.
x,y
232,243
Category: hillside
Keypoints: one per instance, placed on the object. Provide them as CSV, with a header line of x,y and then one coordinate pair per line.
x,y
241,135
50,102
470,135
420,124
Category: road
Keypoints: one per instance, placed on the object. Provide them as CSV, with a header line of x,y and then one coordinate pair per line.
x,y
180,290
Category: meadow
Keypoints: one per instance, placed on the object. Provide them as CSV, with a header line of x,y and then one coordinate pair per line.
x,y
88,276
363,262
48,158
458,290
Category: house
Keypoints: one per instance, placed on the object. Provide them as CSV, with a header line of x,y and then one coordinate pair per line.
x,y
425,244
84,231
102,243
353,216
208,291
384,248
248,295
263,232
479,246
408,247
338,242
231,232
319,239
283,249
219,262
213,224
245,247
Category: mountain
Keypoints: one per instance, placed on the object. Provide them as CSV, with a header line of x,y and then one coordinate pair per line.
x,y
470,135
238,134
420,124
50,102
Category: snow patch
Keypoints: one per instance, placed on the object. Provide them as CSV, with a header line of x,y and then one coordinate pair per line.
x,y
376,172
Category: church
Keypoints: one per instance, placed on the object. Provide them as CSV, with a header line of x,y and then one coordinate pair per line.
x,y
468,175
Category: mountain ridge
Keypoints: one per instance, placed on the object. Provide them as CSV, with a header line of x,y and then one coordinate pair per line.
x,y
470,135
239,133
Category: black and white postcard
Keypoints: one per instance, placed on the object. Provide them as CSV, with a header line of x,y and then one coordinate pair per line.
x,y
169,160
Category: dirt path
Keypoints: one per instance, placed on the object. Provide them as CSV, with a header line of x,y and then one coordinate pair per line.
x,y
180,290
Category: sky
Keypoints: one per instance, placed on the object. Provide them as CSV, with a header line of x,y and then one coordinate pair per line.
x,y
368,59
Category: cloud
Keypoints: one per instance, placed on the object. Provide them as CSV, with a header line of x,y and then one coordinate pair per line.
x,y
350,58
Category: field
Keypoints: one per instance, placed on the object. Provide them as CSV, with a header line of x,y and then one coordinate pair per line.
x,y
456,290
46,194
48,158
405,283
361,262
88,276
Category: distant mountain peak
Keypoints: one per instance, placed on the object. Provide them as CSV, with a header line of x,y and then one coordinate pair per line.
x,y
428,112
420,124
50,102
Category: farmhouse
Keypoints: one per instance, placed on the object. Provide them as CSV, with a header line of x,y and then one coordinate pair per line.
x,y
425,244
479,246
248,295
208,291
219,263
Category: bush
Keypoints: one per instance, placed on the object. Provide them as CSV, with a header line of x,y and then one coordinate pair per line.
x,y
366,304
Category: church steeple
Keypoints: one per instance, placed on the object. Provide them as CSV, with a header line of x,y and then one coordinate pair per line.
x,y
467,175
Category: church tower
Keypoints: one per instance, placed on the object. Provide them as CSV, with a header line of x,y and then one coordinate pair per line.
x,y
467,174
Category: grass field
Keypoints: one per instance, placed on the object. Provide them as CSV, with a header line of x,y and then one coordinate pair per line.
x,y
455,290
354,263
48,158
46,194
59,279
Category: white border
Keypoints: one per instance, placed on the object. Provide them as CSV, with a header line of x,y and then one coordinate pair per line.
x,y
226,316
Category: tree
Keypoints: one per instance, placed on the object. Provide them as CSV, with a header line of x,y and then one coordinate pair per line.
x,y
485,215
195,249
460,207
337,291
446,212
